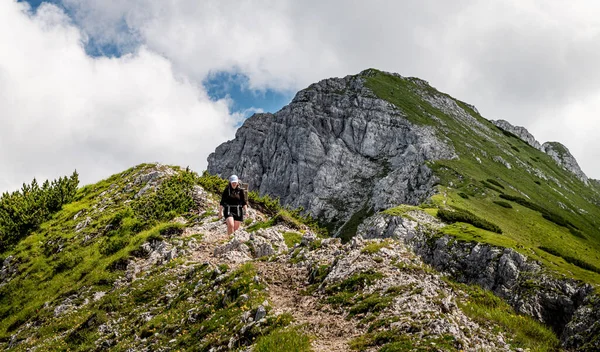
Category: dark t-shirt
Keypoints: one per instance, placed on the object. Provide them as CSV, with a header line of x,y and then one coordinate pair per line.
x,y
233,196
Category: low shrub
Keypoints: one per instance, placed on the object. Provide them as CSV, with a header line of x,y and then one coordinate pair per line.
x,y
493,188
460,215
558,220
503,204
171,199
111,245
292,238
171,229
572,260
524,202
495,183
283,340
212,183
67,261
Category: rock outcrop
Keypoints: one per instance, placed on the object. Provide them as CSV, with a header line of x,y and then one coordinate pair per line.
x,y
564,158
556,150
520,132
564,304
335,150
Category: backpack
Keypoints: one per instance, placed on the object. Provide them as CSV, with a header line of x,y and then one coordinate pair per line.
x,y
244,187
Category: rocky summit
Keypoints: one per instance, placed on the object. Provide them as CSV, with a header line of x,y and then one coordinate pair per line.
x,y
347,147
384,215
335,150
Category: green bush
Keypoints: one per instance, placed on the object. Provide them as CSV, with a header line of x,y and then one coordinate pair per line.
x,y
463,195
493,188
292,238
67,261
212,183
355,282
494,182
572,260
459,215
171,229
503,204
576,233
23,211
557,219
548,215
264,203
111,245
524,202
173,198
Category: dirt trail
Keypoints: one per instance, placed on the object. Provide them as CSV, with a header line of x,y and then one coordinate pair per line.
x,y
331,331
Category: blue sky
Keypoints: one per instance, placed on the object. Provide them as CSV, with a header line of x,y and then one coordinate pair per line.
x,y
219,84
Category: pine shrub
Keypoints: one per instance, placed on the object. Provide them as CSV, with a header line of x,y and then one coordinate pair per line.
x,y
460,215
23,211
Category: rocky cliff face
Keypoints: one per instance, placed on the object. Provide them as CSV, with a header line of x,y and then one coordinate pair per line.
x,y
519,131
335,149
564,158
569,306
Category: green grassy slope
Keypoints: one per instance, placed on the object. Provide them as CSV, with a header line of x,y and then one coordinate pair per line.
x,y
564,230
66,264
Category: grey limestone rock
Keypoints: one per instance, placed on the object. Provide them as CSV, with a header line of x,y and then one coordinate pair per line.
x,y
569,306
519,131
335,149
564,158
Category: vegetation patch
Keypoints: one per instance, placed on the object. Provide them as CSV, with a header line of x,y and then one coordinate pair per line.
x,y
283,340
349,229
395,340
172,198
375,247
495,183
493,188
459,215
355,282
23,211
503,204
522,201
571,260
292,238
525,332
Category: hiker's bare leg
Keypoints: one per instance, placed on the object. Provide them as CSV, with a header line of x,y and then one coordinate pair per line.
x,y
236,225
230,223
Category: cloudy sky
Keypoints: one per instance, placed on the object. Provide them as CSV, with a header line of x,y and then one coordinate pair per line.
x,y
100,86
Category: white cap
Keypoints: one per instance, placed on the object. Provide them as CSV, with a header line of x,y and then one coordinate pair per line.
x,y
233,178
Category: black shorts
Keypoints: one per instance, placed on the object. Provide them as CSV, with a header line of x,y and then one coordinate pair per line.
x,y
237,211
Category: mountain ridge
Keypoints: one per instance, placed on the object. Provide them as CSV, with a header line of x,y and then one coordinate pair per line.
x,y
451,234
184,284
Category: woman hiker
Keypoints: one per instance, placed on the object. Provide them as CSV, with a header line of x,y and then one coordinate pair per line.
x,y
233,205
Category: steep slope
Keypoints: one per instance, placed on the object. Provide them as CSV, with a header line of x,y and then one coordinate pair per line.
x,y
336,150
100,275
345,148
490,185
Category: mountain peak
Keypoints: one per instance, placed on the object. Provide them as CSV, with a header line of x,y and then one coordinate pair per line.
x,y
564,158
520,131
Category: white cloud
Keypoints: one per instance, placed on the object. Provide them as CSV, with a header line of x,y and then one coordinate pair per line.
x,y
531,62
61,109
519,60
